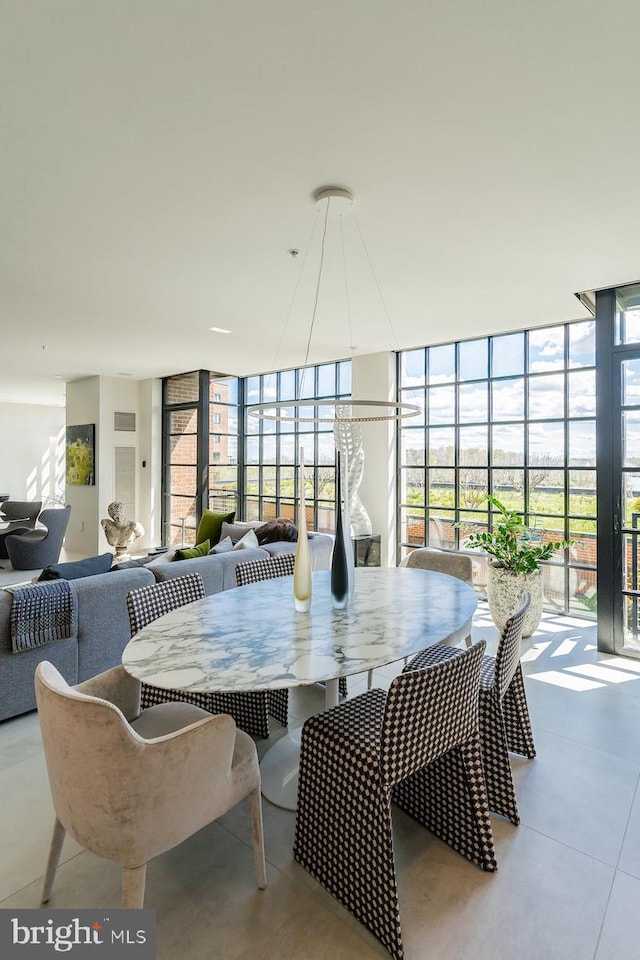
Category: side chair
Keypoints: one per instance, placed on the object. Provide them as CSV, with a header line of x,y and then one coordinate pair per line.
x,y
417,745
21,516
249,710
504,714
253,571
129,786
451,562
42,546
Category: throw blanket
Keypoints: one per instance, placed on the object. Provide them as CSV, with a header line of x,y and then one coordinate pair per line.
x,y
41,612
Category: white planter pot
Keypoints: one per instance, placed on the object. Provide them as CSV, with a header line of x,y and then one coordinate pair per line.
x,y
505,589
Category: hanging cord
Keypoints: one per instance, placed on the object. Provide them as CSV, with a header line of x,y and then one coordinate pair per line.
x,y
317,294
346,286
375,278
274,366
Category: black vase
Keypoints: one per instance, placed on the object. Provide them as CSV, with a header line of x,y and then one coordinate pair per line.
x,y
339,567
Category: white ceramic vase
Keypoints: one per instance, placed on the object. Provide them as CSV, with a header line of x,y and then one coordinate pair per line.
x,y
504,591
302,564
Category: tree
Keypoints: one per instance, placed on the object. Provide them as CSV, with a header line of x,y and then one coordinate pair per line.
x,y
536,477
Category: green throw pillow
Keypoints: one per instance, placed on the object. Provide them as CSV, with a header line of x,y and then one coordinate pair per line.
x,y
210,526
190,553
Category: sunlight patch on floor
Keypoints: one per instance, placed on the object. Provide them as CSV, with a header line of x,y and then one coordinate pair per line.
x,y
567,646
599,672
536,651
566,680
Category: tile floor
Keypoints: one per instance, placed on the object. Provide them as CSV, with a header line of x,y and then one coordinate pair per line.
x,y
567,886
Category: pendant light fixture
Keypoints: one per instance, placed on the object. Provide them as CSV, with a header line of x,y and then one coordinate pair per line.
x,y
329,201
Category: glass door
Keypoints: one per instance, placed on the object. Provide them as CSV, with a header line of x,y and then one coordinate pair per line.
x,y
626,525
618,468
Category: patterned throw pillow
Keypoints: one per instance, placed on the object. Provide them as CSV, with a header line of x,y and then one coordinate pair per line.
x,y
190,553
276,530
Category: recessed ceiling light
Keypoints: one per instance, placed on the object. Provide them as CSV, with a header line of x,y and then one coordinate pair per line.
x,y
219,330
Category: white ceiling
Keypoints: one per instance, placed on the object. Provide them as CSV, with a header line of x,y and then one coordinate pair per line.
x,y
159,156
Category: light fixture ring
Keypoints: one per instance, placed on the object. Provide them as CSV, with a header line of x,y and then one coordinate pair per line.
x,y
277,410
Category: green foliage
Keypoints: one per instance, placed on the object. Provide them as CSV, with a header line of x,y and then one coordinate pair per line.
x,y
512,544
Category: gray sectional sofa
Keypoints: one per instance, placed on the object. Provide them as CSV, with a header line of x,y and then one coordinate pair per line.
x,y
101,628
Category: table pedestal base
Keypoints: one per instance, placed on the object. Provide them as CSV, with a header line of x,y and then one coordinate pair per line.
x,y
279,766
279,771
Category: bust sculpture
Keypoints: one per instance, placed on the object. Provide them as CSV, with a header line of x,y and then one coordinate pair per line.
x,y
119,531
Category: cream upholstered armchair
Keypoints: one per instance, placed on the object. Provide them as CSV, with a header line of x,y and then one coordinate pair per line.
x,y
456,564
451,562
129,785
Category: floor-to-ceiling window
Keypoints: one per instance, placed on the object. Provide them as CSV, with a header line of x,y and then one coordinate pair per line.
x,y
200,451
217,456
224,469
181,420
271,447
514,416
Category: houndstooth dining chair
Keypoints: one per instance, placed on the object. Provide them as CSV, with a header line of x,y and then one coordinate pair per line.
x,y
253,571
419,746
250,710
504,714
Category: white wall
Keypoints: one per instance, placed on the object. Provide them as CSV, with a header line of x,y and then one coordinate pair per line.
x,y
150,453
31,451
373,378
83,406
95,400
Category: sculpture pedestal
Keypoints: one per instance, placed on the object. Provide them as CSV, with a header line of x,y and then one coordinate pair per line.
x,y
366,550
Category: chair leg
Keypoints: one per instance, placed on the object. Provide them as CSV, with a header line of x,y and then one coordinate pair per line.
x,y
257,836
515,711
501,792
133,881
449,798
369,679
344,835
57,840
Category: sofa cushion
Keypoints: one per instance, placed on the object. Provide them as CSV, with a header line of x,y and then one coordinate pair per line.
x,y
103,620
223,547
210,526
76,569
190,553
249,540
209,568
228,562
237,530
132,564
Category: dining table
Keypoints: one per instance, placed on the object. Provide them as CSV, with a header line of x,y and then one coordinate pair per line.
x,y
252,638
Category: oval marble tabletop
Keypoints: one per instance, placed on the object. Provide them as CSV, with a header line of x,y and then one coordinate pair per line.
x,y
251,637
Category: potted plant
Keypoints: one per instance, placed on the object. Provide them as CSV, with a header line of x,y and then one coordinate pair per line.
x,y
517,553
